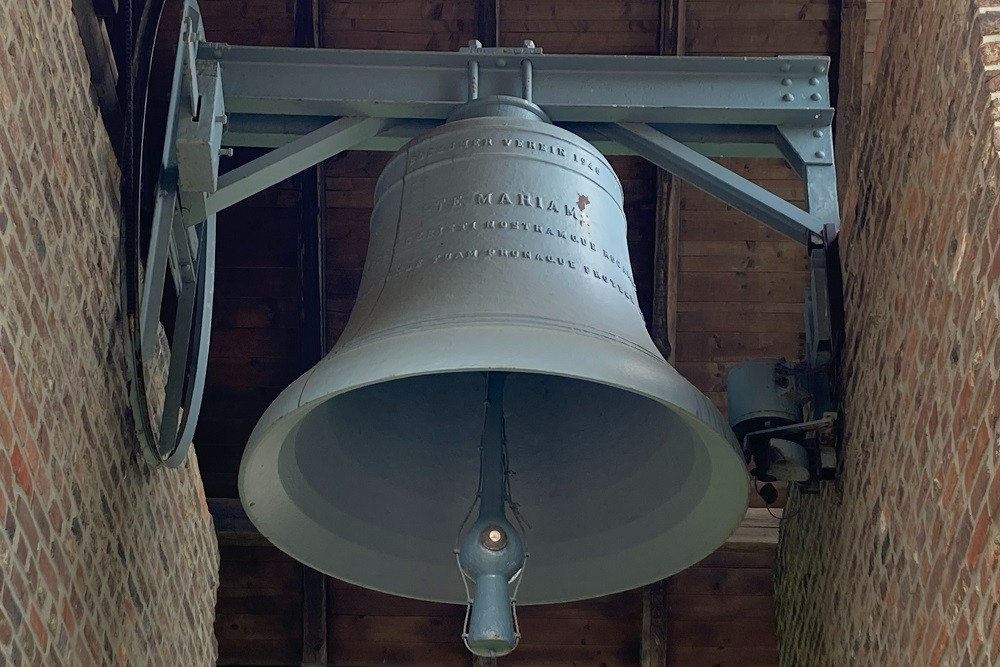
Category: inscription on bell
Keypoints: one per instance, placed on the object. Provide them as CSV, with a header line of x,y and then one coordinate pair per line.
x,y
581,161
573,210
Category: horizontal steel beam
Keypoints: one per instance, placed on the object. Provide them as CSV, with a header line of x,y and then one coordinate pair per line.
x,y
266,131
790,90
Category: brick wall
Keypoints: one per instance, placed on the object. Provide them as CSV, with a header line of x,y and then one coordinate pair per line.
x,y
103,561
899,563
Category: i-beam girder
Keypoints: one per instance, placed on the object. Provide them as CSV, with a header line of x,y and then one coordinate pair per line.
x,y
311,104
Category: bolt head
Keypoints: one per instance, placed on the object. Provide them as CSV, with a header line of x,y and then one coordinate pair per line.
x,y
786,82
493,538
817,133
529,44
815,97
475,44
814,81
788,97
786,67
820,154
501,62
819,69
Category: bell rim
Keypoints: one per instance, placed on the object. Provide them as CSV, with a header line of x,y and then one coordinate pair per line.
x,y
728,466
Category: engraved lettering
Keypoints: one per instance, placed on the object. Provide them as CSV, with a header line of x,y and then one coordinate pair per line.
x,y
561,152
560,233
504,199
507,142
524,200
552,207
482,199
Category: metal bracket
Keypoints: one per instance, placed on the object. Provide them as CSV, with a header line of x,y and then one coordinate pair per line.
x,y
698,170
199,137
310,104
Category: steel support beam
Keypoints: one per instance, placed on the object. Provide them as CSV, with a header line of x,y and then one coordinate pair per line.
x,y
266,131
290,159
404,84
701,172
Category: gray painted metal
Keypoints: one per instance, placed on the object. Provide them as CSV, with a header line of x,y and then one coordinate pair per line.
x,y
701,172
713,140
497,244
189,253
290,159
577,88
754,398
199,138
491,555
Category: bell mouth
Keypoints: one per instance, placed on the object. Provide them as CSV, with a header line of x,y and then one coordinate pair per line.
x,y
371,485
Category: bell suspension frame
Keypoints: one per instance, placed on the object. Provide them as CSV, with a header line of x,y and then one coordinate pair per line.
x,y
308,105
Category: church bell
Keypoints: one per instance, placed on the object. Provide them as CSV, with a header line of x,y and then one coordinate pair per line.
x,y
496,358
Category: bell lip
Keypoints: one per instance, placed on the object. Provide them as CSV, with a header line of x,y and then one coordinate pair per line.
x,y
727,463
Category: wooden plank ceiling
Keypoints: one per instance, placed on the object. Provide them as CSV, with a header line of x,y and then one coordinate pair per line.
x,y
736,292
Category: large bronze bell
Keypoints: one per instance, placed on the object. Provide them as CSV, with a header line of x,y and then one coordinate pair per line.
x,y
497,250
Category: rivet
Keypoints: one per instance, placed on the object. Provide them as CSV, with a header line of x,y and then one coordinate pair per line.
x,y
819,69
786,67
815,97
501,62
817,133
786,82
788,97
820,154
814,81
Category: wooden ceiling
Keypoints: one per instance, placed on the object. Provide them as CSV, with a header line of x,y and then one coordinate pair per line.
x,y
731,289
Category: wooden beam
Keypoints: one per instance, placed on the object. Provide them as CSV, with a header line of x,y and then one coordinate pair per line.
x,y
667,239
232,526
103,71
487,13
654,625
666,258
757,532
313,344
314,628
312,218
849,85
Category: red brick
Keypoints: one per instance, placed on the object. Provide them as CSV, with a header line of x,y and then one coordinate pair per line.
x,y
64,442
924,172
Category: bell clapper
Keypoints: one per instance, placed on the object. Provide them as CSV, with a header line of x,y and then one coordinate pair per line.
x,y
492,554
